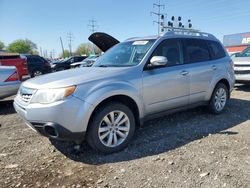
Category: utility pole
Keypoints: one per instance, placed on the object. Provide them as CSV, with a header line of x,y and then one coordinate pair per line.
x,y
62,47
93,26
53,53
41,51
70,38
159,7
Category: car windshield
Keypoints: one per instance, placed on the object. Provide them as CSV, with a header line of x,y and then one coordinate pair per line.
x,y
125,54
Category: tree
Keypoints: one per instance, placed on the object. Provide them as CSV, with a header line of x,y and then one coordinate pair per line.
x,y
22,46
31,44
83,49
1,45
87,49
66,54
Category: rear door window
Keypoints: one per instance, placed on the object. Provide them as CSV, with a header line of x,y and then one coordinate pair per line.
x,y
216,50
196,50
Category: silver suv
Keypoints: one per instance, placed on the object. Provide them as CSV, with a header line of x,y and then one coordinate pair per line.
x,y
132,82
242,66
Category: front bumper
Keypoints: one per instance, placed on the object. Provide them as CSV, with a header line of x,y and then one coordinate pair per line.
x,y
242,77
56,131
62,120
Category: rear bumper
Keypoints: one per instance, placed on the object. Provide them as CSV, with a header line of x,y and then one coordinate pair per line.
x,y
9,88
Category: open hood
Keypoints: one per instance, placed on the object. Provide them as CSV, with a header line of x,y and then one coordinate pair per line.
x,y
103,40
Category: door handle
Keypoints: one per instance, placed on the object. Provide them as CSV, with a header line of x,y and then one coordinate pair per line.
x,y
214,67
184,73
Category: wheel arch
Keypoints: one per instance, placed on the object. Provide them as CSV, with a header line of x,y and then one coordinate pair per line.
x,y
222,80
123,99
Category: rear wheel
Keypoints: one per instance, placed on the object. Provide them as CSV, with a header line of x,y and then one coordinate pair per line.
x,y
219,99
36,73
111,128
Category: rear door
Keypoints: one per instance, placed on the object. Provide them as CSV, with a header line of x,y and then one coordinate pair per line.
x,y
197,56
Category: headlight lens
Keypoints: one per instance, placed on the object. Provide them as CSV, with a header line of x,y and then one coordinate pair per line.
x,y
46,96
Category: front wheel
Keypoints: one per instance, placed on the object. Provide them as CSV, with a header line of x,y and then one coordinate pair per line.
x,y
219,99
111,128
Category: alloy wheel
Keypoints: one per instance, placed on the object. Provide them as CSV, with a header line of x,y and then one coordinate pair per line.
x,y
114,128
220,99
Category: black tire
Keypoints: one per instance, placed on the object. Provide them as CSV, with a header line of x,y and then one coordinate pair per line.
x,y
60,69
35,73
92,132
212,102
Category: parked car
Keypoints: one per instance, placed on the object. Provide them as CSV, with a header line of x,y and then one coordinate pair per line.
x,y
10,59
65,64
9,81
233,55
37,65
88,62
242,66
136,80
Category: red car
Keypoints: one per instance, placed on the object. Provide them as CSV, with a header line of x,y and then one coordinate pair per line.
x,y
10,59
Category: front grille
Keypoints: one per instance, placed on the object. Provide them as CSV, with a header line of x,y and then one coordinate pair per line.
x,y
26,94
242,72
242,65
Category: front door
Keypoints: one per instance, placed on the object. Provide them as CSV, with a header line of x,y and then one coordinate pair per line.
x,y
166,87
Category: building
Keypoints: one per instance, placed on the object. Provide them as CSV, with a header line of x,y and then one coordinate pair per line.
x,y
236,42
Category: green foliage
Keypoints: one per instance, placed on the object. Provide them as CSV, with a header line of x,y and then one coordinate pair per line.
x,y
66,54
87,49
83,49
22,46
1,45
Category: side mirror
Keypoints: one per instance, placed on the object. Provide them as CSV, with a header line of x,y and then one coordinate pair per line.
x,y
158,61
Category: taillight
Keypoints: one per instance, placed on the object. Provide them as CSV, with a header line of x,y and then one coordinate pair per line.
x,y
13,77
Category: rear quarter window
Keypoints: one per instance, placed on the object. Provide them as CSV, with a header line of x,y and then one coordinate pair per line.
x,y
216,50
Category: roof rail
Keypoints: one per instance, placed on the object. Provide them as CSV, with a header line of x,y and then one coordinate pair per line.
x,y
185,31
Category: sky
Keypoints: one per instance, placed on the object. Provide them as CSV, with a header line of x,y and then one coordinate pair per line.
x,y
45,21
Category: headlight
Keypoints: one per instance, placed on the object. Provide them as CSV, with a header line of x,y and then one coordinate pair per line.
x,y
46,96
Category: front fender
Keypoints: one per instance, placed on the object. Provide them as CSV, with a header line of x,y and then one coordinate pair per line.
x,y
99,92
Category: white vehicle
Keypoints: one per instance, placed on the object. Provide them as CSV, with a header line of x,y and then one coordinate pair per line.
x,y
88,62
242,66
9,81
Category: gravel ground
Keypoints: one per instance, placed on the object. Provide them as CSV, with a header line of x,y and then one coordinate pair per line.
x,y
186,149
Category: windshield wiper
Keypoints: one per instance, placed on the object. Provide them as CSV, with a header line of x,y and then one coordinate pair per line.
x,y
103,66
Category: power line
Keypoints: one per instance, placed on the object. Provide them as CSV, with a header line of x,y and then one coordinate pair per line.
x,y
93,28
159,7
93,25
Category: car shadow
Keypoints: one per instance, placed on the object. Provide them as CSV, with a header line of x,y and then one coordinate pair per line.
x,y
6,107
165,134
242,87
